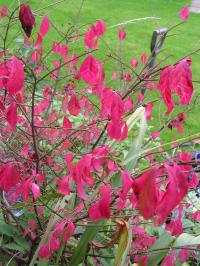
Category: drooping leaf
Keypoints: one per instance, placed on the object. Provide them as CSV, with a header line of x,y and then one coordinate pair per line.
x,y
101,209
175,191
134,151
144,188
124,245
131,157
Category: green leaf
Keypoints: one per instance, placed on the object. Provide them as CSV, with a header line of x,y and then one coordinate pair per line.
x,y
43,263
163,242
135,150
185,264
51,196
79,253
132,120
22,242
186,240
4,259
7,229
13,246
115,180
20,205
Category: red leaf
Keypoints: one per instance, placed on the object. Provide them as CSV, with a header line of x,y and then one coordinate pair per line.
x,y
127,182
176,189
122,34
63,185
128,105
64,103
155,134
117,107
12,116
175,227
182,81
148,110
93,33
196,216
144,188
100,27
74,106
164,86
9,177
117,130
143,58
91,70
169,260
24,151
54,244
44,251
35,190
176,78
69,231
183,254
67,125
3,12
184,13
101,210
45,26
134,63
91,38
25,189
15,77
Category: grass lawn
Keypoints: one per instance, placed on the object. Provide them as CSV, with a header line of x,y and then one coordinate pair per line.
x,y
185,39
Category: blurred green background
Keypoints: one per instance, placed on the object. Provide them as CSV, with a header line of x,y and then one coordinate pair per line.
x,y
182,40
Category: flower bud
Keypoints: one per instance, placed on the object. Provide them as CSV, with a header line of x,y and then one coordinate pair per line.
x,y
27,19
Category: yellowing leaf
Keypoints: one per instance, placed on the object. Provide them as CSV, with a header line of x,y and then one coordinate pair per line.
x,y
124,243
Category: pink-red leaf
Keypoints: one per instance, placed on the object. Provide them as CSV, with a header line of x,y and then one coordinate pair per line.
x,y
91,70
35,190
69,231
44,251
144,188
176,189
9,177
101,209
3,12
15,77
122,34
45,26
184,13
74,106
12,116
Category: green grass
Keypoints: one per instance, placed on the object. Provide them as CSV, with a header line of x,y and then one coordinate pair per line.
x,y
184,39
